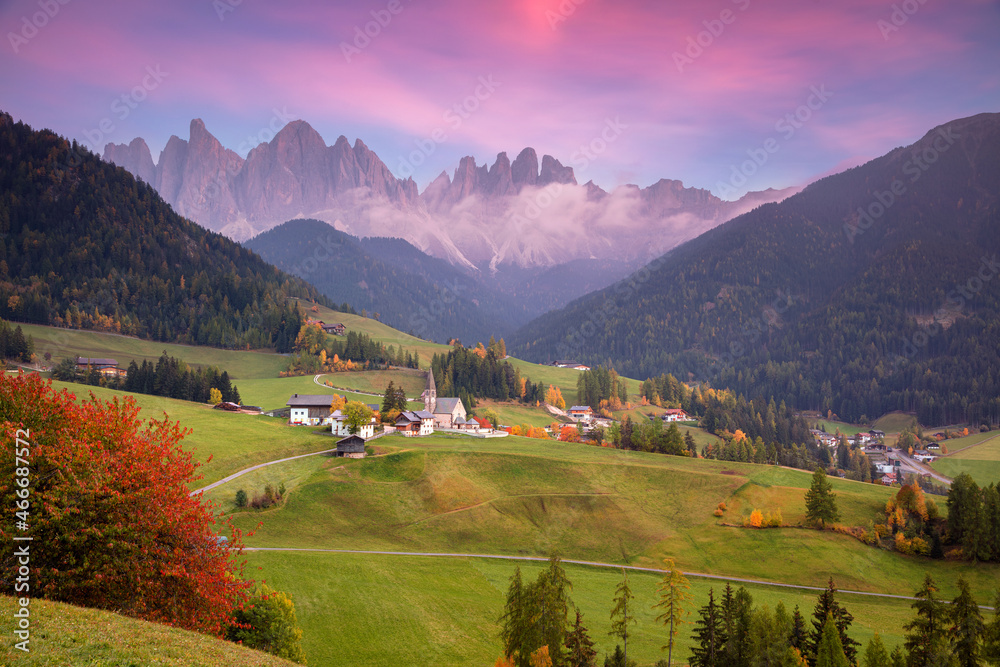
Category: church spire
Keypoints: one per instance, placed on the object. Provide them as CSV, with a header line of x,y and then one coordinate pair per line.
x,y
430,393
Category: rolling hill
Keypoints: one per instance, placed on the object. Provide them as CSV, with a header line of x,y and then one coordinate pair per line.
x,y
870,291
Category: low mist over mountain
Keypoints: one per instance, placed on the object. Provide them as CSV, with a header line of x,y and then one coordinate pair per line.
x,y
525,213
873,290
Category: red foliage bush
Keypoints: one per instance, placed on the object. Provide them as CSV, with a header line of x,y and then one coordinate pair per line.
x,y
112,523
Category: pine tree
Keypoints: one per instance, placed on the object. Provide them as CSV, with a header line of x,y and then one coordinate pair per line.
x,y
389,398
515,622
926,639
991,636
827,605
799,637
768,637
551,597
967,629
896,658
621,613
709,636
830,652
579,646
674,595
821,502
736,610
963,498
875,653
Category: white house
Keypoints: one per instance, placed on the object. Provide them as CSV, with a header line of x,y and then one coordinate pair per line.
x,y
419,422
676,415
339,426
309,409
581,413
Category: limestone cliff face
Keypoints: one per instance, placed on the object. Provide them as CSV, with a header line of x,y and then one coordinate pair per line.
x,y
134,157
524,213
295,174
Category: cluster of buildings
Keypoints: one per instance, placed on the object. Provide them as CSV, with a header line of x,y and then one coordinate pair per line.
x,y
871,439
438,413
584,416
106,367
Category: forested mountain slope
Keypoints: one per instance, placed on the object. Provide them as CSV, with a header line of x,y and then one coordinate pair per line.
x,y
84,244
872,290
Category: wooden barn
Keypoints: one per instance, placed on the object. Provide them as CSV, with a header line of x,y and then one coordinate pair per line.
x,y
352,447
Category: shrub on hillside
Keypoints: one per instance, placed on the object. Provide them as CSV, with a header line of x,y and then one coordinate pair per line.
x,y
267,622
111,512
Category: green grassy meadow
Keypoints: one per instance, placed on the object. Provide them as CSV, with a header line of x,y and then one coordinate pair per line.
x,y
70,636
894,422
62,343
364,609
273,393
512,413
832,427
413,381
510,496
515,496
234,441
981,461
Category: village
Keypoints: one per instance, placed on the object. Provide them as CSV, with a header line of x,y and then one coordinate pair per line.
x,y
891,465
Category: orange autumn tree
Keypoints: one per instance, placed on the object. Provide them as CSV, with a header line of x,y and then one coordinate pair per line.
x,y
569,433
111,521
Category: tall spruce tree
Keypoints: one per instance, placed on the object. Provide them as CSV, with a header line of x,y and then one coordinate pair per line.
x,y
579,646
967,627
709,636
799,636
991,637
827,605
927,634
517,632
821,501
736,611
830,652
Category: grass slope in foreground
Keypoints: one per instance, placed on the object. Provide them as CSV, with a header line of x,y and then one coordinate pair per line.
x,y
386,611
69,636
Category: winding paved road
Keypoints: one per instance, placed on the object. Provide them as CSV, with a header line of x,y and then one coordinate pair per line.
x,y
922,468
584,562
256,467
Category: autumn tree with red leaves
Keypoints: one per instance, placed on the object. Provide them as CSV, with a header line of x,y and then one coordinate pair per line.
x,y
112,521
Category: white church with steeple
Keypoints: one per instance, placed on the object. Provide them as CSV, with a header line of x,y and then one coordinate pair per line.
x,y
448,412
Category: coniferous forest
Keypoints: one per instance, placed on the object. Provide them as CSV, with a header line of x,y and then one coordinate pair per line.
x,y
168,377
803,302
83,244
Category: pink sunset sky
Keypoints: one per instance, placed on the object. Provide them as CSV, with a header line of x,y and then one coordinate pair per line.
x,y
694,88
